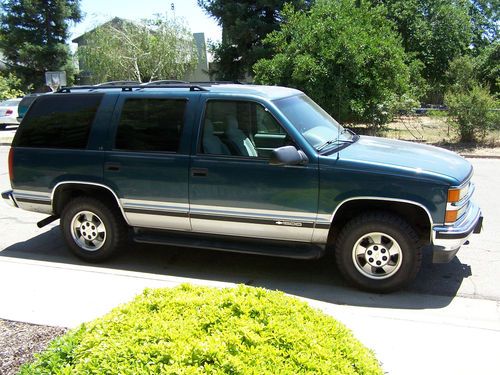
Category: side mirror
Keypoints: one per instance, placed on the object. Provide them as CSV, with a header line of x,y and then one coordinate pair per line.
x,y
287,155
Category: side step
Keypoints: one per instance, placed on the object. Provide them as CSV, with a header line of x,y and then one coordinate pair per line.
x,y
297,250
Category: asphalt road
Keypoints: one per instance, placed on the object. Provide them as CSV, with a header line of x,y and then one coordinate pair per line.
x,y
445,306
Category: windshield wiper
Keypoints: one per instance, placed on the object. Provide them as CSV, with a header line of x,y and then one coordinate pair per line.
x,y
332,141
325,144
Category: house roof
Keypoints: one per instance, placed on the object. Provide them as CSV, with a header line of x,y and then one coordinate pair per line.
x,y
117,22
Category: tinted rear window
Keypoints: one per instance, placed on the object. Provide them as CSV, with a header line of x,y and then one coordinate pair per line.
x,y
148,124
27,100
59,121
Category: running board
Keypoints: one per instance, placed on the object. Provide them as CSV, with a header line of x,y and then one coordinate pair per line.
x,y
296,250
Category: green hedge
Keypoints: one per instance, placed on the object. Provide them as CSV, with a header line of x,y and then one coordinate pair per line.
x,y
200,330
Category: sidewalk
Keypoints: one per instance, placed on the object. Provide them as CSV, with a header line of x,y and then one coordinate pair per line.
x,y
460,338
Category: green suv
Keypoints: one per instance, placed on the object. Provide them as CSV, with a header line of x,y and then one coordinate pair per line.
x,y
246,168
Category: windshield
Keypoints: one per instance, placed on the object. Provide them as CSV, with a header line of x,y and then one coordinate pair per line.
x,y
319,129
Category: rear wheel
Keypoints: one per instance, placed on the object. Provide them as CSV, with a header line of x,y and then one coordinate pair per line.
x,y
93,231
378,252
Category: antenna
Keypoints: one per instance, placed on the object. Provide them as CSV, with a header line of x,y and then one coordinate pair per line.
x,y
340,97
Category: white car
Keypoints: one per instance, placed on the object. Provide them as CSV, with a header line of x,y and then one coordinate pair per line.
x,y
8,112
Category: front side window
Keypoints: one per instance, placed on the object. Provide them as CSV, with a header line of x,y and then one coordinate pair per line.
x,y
59,121
149,124
239,128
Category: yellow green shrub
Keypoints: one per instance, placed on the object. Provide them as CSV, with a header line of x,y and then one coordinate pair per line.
x,y
201,330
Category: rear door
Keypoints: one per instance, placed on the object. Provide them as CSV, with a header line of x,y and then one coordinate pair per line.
x,y
147,163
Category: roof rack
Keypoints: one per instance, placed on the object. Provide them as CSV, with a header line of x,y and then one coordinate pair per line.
x,y
190,86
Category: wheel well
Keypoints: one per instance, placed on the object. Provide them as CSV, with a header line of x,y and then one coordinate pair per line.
x,y
415,215
67,192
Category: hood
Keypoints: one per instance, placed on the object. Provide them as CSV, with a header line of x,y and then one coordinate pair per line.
x,y
409,156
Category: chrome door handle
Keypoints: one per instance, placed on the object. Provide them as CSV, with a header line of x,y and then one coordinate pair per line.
x,y
199,172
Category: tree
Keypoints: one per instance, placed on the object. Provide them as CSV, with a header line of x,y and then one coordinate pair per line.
x,y
473,112
434,32
485,26
244,25
472,108
33,36
484,70
10,87
488,67
157,48
347,58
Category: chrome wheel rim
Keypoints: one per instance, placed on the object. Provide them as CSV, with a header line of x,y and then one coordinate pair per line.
x,y
377,255
88,231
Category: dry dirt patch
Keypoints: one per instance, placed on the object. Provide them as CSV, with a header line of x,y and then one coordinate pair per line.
x,y
20,341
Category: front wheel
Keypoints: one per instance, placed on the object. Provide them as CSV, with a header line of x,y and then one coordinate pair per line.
x,y
378,252
93,231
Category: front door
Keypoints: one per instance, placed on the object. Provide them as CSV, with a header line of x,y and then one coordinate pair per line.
x,y
233,188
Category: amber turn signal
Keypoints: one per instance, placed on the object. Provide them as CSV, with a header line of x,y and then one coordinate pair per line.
x,y
451,216
453,195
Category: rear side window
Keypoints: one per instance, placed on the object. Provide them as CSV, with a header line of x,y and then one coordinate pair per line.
x,y
150,124
59,121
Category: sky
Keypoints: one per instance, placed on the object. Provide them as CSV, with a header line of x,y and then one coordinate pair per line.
x,y
99,11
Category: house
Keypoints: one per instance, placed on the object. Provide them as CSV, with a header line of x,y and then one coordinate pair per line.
x,y
199,74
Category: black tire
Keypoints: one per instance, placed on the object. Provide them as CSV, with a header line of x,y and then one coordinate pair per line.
x,y
103,244
378,252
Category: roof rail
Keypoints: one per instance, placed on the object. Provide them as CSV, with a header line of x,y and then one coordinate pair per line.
x,y
191,87
218,82
118,83
165,82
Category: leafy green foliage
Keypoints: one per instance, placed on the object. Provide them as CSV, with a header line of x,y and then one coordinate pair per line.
x,y
158,48
487,66
33,36
484,17
473,109
434,32
10,87
347,58
473,112
199,330
245,24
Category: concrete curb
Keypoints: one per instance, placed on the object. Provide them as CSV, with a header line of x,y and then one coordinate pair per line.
x,y
468,156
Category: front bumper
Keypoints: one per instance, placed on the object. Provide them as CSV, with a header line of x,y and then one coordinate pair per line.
x,y
8,196
447,239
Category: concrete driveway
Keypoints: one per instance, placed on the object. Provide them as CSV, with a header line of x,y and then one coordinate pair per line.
x,y
448,321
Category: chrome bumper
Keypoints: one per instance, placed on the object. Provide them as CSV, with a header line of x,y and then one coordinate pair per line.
x,y
447,239
9,198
